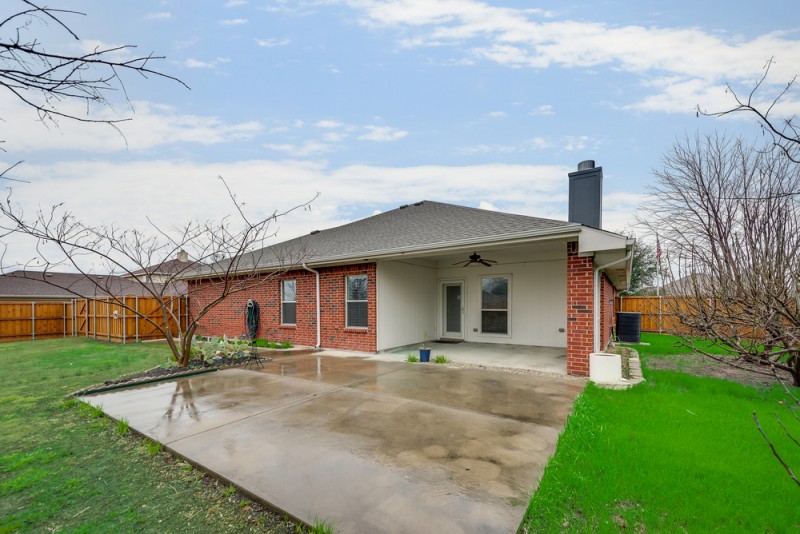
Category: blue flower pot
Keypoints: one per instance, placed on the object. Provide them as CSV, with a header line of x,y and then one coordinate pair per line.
x,y
424,355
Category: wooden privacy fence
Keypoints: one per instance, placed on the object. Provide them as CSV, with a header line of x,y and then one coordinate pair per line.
x,y
656,311
98,318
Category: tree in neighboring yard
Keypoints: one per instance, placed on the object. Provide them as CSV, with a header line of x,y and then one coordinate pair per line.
x,y
644,267
227,255
727,215
58,83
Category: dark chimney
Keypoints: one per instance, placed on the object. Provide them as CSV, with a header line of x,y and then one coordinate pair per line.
x,y
586,195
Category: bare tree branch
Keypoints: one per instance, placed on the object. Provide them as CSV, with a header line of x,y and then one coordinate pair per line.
x,y
225,253
728,217
785,131
774,451
45,80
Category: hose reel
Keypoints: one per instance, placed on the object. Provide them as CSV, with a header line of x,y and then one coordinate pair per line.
x,y
251,321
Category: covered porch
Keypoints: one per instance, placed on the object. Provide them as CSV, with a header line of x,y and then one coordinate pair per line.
x,y
548,360
515,296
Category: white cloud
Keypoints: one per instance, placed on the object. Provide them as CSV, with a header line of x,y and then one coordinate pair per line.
x,y
192,63
382,133
328,124
543,110
235,3
695,62
154,125
270,43
160,15
308,148
233,22
572,143
335,137
535,143
538,143
187,190
496,114
487,206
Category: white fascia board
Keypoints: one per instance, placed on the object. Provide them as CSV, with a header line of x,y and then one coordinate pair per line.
x,y
591,241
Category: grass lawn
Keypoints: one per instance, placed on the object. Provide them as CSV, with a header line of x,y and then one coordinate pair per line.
x,y
678,453
65,468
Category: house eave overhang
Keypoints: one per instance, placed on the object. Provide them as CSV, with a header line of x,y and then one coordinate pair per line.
x,y
413,251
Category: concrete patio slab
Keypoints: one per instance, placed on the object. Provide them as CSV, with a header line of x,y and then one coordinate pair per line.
x,y
367,445
548,360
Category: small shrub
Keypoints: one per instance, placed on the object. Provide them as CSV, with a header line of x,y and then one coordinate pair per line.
x,y
123,427
153,447
440,359
321,527
412,358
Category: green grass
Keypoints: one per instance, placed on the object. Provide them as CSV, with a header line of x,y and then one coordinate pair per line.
x,y
440,359
412,358
665,345
677,453
65,467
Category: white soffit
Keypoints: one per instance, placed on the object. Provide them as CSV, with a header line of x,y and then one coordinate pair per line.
x,y
591,240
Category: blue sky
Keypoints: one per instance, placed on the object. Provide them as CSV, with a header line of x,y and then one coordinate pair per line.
x,y
375,104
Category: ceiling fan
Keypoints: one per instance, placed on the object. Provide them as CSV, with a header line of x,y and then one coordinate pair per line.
x,y
475,258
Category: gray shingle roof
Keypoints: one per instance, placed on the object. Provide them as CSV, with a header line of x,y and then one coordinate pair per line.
x,y
31,284
165,267
420,226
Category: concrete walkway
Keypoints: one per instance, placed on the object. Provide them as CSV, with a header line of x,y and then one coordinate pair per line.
x,y
369,446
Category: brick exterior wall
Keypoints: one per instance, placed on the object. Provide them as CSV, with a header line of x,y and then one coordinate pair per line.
x,y
580,311
608,318
228,317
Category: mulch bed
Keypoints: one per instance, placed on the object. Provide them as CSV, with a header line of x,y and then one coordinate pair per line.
x,y
158,373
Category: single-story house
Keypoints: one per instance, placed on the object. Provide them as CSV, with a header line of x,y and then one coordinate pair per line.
x,y
431,270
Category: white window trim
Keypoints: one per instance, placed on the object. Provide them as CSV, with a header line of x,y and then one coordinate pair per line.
x,y
283,322
348,301
507,309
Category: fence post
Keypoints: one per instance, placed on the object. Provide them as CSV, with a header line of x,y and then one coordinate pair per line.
x,y
108,319
65,318
33,320
136,306
124,320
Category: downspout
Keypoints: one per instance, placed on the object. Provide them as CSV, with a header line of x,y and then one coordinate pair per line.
x,y
596,336
319,324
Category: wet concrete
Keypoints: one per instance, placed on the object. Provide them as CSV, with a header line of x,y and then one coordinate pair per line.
x,y
370,446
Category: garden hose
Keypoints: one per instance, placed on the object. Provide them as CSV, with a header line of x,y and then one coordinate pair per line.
x,y
251,319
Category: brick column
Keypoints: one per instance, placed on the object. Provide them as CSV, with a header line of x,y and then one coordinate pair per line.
x,y
580,311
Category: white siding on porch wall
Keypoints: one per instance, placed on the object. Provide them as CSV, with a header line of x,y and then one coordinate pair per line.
x,y
406,304
537,301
